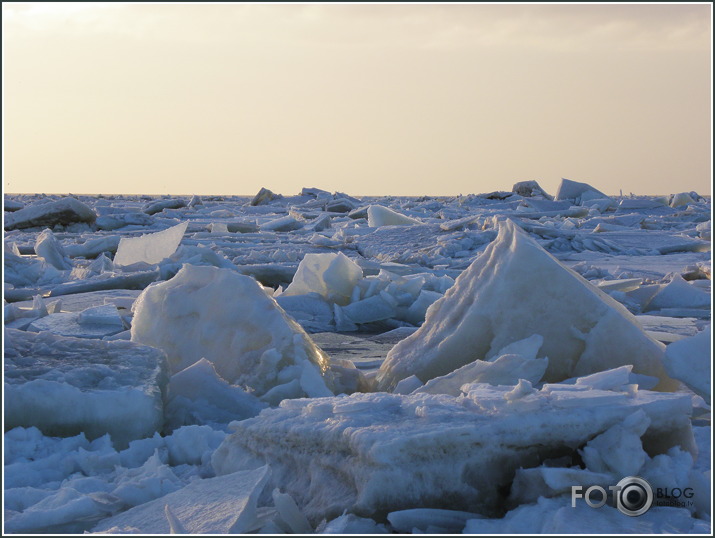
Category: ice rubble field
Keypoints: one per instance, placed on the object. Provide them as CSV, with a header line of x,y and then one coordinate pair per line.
x,y
322,363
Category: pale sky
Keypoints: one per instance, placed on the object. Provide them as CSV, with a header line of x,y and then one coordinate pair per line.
x,y
367,99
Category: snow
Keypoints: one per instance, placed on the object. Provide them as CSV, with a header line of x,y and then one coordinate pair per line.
x,y
65,386
513,290
150,248
546,388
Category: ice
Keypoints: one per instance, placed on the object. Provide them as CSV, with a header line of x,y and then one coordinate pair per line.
x,y
150,248
529,189
546,481
681,199
264,196
575,191
58,212
618,450
689,360
68,324
418,309
11,205
378,215
500,443
282,224
351,524
408,385
198,395
50,250
513,290
360,453
227,318
160,205
375,308
679,294
556,516
448,521
221,505
114,222
65,386
332,275
289,513
101,315
313,312
92,248
507,369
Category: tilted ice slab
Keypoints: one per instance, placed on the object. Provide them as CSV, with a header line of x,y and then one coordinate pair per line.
x,y
221,505
65,386
371,454
150,248
228,319
62,211
513,290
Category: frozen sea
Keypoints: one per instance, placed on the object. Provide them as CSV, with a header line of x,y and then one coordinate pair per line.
x,y
323,363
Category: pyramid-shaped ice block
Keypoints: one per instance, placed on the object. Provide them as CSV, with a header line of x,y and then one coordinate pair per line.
x,y
513,290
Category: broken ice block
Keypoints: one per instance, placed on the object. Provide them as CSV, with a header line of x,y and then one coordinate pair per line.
x,y
227,318
333,276
150,248
378,215
65,386
516,289
387,452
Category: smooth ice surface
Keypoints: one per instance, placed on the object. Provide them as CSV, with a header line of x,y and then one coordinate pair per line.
x,y
378,215
65,386
513,290
372,454
331,275
690,361
69,324
150,248
221,505
228,319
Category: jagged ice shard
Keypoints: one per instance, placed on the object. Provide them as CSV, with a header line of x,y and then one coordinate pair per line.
x,y
513,290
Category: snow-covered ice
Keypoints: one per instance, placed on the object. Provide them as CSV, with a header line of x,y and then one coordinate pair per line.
x,y
520,335
372,454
